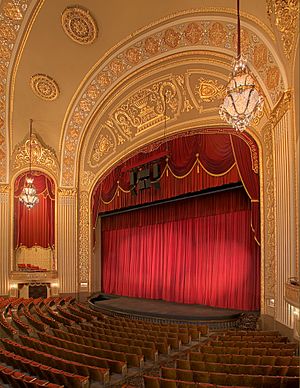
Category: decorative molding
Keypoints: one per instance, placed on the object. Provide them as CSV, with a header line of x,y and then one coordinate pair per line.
x,y
86,179
4,189
281,107
27,277
84,239
148,45
79,25
11,17
210,90
269,216
44,87
286,15
41,156
62,192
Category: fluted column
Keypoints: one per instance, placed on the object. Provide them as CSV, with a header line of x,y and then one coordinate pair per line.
x,y
284,166
67,241
4,238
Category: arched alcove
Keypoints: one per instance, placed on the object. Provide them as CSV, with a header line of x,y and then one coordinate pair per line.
x,y
34,229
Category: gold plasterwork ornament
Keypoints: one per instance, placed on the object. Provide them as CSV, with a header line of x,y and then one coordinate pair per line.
x,y
286,15
79,25
103,146
145,109
84,239
44,87
41,156
162,39
210,90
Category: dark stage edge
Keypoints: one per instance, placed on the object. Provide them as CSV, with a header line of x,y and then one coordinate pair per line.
x,y
165,312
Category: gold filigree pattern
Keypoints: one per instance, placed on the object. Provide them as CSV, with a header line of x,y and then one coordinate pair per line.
x,y
4,189
146,108
44,87
102,147
210,90
62,192
79,25
84,240
11,17
41,156
269,265
86,179
176,34
286,13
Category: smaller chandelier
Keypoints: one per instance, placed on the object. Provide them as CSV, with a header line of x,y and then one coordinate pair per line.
x,y
29,196
242,102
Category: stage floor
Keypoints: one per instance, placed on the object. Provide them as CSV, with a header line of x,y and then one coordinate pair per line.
x,y
160,309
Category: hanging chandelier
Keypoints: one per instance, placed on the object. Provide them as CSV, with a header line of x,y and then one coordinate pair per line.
x,y
29,196
243,101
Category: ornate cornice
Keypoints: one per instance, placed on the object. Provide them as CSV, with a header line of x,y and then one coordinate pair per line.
x,y
282,106
62,192
41,156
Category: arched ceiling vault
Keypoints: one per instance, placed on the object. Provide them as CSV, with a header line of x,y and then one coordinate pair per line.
x,y
75,78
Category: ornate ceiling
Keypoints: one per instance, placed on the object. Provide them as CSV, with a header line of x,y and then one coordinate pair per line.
x,y
91,74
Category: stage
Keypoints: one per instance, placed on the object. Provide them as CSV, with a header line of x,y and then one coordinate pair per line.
x,y
161,311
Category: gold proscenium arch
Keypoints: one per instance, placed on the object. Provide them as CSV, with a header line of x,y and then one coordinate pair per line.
x,y
130,118
195,32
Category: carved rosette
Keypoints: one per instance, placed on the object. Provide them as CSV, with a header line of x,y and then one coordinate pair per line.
x,y
84,239
11,17
44,87
79,25
41,156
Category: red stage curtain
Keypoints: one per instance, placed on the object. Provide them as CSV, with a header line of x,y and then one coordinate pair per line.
x,y
196,162
197,251
35,226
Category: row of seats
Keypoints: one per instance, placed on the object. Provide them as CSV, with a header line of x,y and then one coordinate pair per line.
x,y
246,351
246,344
247,369
148,348
31,268
172,339
224,378
249,338
56,362
128,358
45,372
148,353
243,359
19,379
160,343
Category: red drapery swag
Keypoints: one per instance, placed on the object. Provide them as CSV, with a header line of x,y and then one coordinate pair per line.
x,y
195,163
35,226
197,251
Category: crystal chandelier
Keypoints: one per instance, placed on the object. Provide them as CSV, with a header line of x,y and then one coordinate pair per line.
x,y
28,196
242,102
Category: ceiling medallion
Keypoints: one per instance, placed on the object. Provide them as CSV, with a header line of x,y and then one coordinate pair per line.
x,y
79,25
44,87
